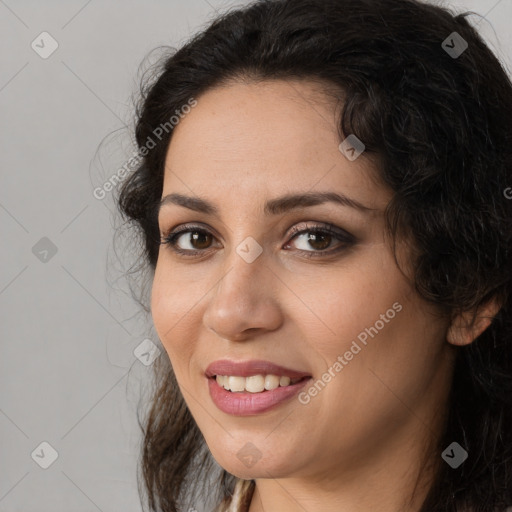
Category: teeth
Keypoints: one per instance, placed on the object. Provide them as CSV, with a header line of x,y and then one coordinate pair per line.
x,y
271,382
236,383
254,383
284,381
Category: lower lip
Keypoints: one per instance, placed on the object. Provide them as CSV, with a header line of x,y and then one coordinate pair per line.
x,y
249,404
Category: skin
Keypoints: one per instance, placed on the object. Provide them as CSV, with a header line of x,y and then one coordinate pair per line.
x,y
360,443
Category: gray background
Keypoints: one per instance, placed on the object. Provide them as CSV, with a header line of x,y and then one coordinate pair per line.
x,y
68,372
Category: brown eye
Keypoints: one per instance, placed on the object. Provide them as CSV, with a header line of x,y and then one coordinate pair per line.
x,y
312,241
189,240
193,240
319,241
316,240
200,239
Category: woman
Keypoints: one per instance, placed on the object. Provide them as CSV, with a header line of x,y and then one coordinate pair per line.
x,y
322,202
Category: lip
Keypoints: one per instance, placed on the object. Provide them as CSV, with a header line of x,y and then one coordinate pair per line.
x,y
246,403
250,404
253,367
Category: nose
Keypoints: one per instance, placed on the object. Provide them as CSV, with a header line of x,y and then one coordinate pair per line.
x,y
245,301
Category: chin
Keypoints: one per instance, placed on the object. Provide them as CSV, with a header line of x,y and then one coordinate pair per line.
x,y
248,462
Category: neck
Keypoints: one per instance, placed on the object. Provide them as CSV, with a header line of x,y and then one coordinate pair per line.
x,y
389,487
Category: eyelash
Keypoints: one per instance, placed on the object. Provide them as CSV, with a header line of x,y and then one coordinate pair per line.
x,y
170,239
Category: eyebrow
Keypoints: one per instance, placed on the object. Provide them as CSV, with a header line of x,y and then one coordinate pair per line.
x,y
272,207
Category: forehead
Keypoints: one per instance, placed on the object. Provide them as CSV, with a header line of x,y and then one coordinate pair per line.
x,y
262,137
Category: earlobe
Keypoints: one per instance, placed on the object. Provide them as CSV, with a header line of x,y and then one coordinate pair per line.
x,y
461,332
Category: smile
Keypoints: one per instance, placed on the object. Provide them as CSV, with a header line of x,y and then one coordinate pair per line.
x,y
254,383
252,387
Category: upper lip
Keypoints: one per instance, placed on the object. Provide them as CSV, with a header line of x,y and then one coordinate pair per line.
x,y
253,367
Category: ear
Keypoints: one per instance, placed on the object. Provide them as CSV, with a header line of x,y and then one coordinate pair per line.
x,y
461,332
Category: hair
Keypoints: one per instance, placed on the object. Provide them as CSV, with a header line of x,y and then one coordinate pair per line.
x,y
441,129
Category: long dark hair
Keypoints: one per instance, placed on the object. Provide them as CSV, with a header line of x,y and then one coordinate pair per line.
x,y
438,115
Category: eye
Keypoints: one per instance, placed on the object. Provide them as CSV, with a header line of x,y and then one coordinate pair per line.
x,y
315,240
196,240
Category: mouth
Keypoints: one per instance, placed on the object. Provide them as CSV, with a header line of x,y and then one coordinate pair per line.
x,y
225,367
252,387
255,383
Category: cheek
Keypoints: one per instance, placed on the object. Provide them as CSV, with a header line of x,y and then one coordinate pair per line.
x,y
344,303
171,311
390,348
372,318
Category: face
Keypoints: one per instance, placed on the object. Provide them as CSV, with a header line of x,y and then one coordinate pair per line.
x,y
309,285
